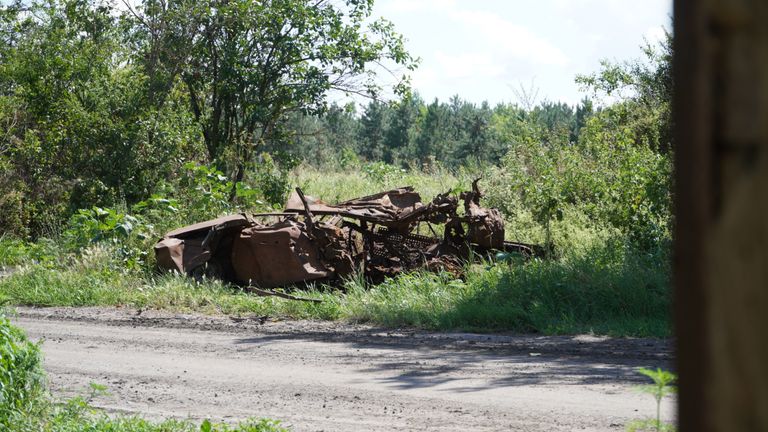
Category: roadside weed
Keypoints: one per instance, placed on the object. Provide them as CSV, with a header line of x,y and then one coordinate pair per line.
x,y
663,385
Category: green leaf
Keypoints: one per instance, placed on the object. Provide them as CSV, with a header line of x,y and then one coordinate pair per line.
x,y
206,426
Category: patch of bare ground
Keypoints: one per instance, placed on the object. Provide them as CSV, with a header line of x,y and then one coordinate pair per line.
x,y
317,375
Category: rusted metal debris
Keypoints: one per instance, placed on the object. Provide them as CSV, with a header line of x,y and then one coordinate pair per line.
x,y
379,235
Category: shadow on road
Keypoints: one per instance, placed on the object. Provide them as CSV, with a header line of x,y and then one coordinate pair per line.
x,y
431,360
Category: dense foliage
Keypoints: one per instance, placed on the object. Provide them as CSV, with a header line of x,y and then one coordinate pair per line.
x,y
117,124
21,378
99,106
594,282
414,134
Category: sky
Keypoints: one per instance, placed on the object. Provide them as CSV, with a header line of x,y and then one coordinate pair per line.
x,y
487,50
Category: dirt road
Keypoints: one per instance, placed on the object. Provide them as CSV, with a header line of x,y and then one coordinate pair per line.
x,y
325,376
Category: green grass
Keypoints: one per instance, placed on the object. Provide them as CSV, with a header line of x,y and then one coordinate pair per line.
x,y
71,418
76,416
548,297
617,296
339,186
40,286
14,251
596,282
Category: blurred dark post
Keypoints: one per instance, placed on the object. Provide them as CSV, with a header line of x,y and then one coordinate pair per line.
x,y
721,204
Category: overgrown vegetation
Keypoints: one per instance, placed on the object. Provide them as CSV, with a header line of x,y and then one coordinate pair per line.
x,y
99,104
26,405
597,280
21,378
118,125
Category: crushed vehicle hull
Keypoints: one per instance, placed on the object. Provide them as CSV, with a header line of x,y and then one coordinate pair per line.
x,y
379,235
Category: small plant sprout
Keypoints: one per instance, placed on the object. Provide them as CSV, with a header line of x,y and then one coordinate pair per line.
x,y
97,390
663,385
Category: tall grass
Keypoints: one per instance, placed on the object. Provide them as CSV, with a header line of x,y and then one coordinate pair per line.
x,y
590,295
21,378
337,186
597,280
597,293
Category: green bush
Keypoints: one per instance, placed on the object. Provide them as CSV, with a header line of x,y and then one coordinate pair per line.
x,y
381,172
605,178
14,251
271,177
21,377
13,217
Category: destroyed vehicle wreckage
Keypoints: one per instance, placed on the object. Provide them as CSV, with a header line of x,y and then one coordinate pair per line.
x,y
310,241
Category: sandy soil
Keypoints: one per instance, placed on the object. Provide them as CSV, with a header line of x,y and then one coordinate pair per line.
x,y
320,376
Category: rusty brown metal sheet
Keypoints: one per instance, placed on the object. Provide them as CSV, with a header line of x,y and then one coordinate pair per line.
x,y
378,235
232,220
277,255
385,207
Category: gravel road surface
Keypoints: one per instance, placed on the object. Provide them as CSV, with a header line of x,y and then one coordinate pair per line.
x,y
321,376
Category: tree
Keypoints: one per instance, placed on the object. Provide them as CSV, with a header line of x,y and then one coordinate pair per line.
x,y
556,119
477,145
78,128
321,139
401,127
372,129
583,112
434,133
643,89
247,63
341,127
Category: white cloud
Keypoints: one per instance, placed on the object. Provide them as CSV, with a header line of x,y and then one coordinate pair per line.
x,y
478,49
405,6
424,77
490,32
655,35
469,64
509,39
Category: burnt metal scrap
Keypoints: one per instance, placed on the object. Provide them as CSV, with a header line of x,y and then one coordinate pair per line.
x,y
379,235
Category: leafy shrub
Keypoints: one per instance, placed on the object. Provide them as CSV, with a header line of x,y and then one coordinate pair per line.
x,y
271,177
21,378
13,218
156,208
205,191
14,251
613,183
381,172
97,224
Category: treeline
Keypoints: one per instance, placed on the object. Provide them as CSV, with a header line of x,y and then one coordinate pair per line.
x,y
108,107
415,134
